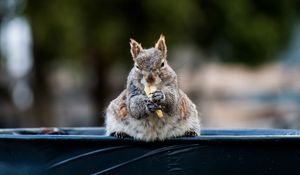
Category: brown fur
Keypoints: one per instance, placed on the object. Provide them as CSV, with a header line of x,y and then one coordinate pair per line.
x,y
122,109
183,107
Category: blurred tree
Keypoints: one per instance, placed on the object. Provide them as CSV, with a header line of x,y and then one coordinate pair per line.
x,y
252,32
96,33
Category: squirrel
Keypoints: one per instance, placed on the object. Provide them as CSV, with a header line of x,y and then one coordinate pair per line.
x,y
134,114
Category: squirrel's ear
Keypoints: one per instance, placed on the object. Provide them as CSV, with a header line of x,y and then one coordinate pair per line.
x,y
135,48
161,45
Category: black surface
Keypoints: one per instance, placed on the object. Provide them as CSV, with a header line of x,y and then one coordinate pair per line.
x,y
86,151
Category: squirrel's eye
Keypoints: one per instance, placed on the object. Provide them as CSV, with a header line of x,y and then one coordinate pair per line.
x,y
162,64
137,67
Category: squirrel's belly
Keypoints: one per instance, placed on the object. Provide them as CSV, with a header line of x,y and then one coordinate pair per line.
x,y
154,128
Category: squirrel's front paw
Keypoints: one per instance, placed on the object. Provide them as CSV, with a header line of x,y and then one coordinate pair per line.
x,y
151,106
157,96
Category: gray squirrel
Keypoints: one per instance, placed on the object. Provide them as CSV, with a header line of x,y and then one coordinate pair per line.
x,y
134,113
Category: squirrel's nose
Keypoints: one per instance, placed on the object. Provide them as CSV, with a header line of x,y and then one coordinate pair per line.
x,y
150,79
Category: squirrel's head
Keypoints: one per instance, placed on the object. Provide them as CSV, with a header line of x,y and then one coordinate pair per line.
x,y
150,63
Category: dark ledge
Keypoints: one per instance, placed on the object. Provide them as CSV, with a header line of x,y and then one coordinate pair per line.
x,y
99,133
86,151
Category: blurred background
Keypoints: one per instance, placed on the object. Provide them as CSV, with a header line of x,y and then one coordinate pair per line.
x,y
63,61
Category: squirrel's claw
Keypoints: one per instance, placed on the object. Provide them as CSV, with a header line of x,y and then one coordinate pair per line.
x,y
120,135
157,96
190,134
151,106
